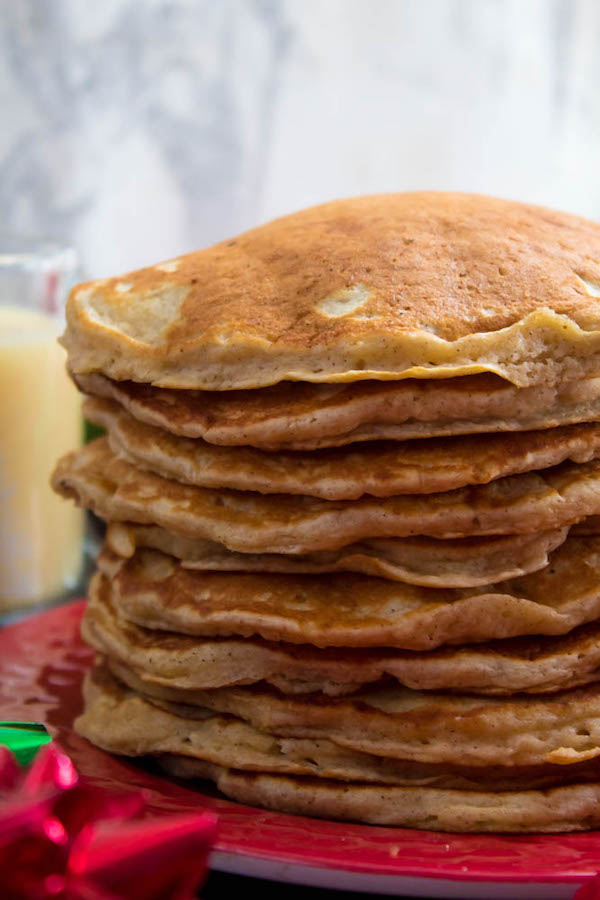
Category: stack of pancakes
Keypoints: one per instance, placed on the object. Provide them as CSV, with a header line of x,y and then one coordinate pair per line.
x,y
350,478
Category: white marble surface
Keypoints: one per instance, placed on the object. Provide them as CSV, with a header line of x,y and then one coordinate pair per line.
x,y
139,129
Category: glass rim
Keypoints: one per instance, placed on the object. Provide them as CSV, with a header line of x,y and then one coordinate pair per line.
x,y
29,251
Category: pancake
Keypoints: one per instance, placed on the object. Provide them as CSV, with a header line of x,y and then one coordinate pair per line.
x,y
297,416
154,591
426,285
502,667
402,773
351,484
395,722
278,523
571,808
470,562
122,721
378,469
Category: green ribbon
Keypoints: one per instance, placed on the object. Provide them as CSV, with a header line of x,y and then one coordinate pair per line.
x,y
24,739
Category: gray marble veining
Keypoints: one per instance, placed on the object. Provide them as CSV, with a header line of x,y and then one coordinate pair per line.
x,y
139,130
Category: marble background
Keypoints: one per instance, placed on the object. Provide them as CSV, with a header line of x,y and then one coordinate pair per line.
x,y
139,129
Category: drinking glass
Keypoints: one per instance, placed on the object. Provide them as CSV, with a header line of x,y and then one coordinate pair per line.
x,y
40,419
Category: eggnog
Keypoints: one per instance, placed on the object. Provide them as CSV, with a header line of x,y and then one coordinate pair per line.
x,y
40,419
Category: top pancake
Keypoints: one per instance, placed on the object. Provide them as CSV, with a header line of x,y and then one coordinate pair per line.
x,y
420,285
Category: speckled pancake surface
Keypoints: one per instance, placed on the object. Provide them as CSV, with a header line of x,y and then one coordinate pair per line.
x,y
129,723
297,416
532,665
260,769
387,287
467,562
381,469
396,723
279,523
570,808
347,610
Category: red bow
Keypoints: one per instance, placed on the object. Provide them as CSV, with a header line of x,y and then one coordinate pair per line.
x,y
63,840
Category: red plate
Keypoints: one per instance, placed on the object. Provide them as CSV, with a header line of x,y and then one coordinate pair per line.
x,y
42,661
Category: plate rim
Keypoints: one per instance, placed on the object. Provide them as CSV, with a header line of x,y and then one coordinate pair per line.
x,y
395,866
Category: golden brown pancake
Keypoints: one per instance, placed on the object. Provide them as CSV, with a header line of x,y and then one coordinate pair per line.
x,y
571,808
426,285
297,416
467,562
395,772
360,787
278,523
154,591
352,488
397,723
532,664
129,723
376,468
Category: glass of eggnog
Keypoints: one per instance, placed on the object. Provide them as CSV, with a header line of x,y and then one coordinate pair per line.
x,y
40,419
